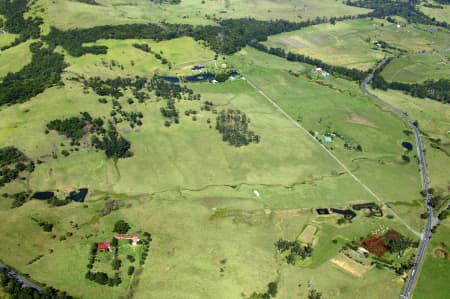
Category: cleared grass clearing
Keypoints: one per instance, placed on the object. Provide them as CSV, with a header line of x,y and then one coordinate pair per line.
x,y
182,53
6,38
14,59
418,68
350,43
66,14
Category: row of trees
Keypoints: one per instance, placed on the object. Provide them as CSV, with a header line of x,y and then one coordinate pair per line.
x,y
438,90
233,125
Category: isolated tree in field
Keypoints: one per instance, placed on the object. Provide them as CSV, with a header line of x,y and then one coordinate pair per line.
x,y
121,227
272,288
314,294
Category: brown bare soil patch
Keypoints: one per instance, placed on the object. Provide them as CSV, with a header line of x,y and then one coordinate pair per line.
x,y
308,234
355,118
349,265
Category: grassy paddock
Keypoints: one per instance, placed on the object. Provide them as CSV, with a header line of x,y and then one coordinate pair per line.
x,y
350,43
434,119
418,68
66,14
442,15
14,59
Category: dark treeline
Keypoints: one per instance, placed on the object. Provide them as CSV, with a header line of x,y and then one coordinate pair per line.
x,y
340,71
406,9
438,90
15,22
15,290
44,71
228,37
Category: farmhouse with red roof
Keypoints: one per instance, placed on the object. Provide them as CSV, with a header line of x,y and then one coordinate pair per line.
x,y
134,239
103,246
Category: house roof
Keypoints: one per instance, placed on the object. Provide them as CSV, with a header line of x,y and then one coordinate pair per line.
x,y
103,246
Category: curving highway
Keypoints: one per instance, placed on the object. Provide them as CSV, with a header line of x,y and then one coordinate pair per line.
x,y
414,274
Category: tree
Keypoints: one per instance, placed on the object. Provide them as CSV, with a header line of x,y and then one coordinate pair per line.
x,y
314,294
272,288
121,227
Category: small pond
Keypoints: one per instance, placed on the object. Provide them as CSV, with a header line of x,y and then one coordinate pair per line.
x,y
407,145
43,195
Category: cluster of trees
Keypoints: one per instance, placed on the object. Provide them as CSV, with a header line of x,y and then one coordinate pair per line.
x,y
294,250
170,113
338,71
19,199
233,125
134,118
44,71
76,127
143,47
121,227
46,226
15,289
13,11
114,145
272,291
12,163
406,9
399,245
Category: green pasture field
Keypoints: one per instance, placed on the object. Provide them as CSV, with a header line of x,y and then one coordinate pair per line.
x,y
434,120
341,107
187,253
14,59
418,68
442,15
66,14
434,274
350,43
6,38
182,53
194,192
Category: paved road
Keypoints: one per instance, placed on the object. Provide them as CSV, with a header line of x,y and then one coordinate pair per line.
x,y
19,278
423,167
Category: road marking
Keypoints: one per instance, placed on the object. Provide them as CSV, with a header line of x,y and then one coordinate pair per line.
x,y
298,125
